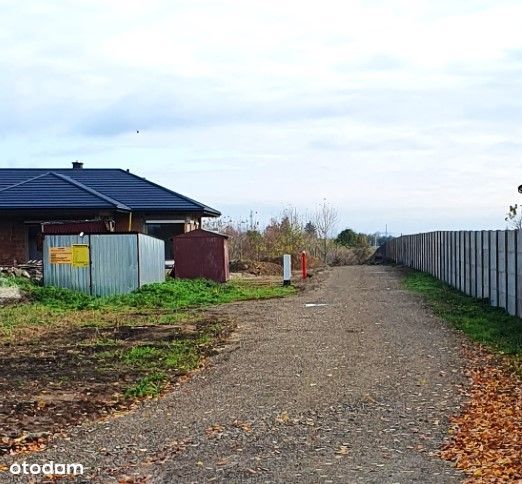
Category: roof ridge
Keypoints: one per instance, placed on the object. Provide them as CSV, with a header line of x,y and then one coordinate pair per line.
x,y
92,191
24,181
195,202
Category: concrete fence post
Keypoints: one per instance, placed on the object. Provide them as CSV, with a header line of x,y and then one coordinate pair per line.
x,y
463,261
424,243
493,264
455,259
511,272
451,236
432,256
485,264
473,264
519,273
446,256
502,269
478,264
450,258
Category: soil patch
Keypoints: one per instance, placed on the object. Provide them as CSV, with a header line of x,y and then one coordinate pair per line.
x,y
67,376
256,268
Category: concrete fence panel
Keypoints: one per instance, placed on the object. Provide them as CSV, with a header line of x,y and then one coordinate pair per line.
x,y
478,259
467,265
445,246
493,264
519,273
483,264
511,271
502,269
451,239
473,264
448,257
463,261
453,256
436,268
460,272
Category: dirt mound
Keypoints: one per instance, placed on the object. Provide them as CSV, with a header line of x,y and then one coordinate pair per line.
x,y
256,268
312,262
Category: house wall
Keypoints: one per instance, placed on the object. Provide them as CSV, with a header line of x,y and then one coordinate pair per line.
x,y
14,238
121,222
13,241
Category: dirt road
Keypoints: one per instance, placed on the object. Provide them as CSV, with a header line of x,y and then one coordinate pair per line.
x,y
356,390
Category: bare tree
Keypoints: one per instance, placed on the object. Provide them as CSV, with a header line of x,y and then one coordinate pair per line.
x,y
325,223
513,218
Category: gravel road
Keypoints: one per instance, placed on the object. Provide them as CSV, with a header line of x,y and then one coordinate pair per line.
x,y
359,389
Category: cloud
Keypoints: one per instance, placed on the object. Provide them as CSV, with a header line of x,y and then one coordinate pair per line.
x,y
400,111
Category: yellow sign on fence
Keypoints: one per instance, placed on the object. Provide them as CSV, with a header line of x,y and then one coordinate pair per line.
x,y
80,255
60,255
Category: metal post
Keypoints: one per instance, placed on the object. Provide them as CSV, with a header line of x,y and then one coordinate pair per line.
x,y
304,271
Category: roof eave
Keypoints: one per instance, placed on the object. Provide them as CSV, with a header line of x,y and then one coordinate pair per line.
x,y
205,212
210,212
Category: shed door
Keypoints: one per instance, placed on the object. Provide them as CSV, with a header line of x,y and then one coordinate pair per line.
x,y
114,264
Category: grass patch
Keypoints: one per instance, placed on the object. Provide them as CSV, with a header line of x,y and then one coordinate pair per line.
x,y
163,303
182,355
148,386
171,294
490,326
142,355
162,362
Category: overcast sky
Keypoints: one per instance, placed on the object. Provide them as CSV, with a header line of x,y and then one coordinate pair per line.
x,y
406,113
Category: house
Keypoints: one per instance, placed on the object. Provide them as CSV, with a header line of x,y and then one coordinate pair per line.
x,y
117,199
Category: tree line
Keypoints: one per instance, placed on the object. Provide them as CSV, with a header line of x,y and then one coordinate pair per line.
x,y
291,233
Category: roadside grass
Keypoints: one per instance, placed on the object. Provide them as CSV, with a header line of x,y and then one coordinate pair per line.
x,y
490,326
162,303
171,294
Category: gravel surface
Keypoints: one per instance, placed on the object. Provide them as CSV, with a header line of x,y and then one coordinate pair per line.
x,y
358,390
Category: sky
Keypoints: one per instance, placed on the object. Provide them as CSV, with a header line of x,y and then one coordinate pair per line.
x,y
398,113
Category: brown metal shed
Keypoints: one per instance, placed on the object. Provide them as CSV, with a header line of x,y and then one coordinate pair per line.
x,y
201,253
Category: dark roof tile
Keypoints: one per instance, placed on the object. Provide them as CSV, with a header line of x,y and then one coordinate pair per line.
x,y
90,188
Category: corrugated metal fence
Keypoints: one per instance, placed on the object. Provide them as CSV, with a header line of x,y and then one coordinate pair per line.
x,y
103,264
483,264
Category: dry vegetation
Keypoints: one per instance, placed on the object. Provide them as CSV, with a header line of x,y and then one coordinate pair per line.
x,y
249,243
